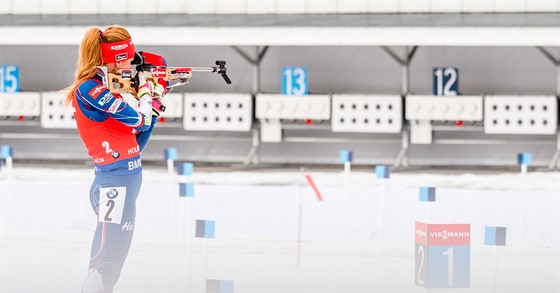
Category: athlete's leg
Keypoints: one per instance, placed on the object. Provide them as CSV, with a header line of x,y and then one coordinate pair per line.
x,y
113,199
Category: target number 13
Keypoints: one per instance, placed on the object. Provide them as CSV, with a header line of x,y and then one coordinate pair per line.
x,y
294,81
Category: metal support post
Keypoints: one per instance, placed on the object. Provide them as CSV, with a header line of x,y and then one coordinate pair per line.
x,y
555,162
256,63
405,66
402,157
556,62
253,156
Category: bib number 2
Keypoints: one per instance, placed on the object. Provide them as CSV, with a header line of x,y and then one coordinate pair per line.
x,y
111,204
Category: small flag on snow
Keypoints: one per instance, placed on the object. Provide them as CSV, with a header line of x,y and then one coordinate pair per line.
x,y
382,171
170,154
345,156
205,229
6,151
219,286
186,189
495,236
524,159
427,194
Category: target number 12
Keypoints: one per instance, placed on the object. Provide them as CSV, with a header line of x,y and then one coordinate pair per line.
x,y
446,81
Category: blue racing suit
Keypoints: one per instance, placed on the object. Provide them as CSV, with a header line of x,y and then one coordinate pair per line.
x,y
114,134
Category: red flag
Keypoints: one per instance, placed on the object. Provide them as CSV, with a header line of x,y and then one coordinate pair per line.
x,y
312,184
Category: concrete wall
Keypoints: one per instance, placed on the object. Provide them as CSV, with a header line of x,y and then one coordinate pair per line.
x,y
489,70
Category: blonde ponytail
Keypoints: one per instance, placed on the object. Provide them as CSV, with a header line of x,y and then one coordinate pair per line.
x,y
90,55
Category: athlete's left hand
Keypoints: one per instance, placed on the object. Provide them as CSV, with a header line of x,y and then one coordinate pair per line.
x,y
157,102
159,91
145,86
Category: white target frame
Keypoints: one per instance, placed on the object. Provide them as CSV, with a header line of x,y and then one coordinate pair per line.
x,y
20,104
520,114
275,106
218,112
53,112
367,113
452,108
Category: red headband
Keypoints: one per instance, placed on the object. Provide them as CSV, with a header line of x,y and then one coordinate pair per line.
x,y
117,51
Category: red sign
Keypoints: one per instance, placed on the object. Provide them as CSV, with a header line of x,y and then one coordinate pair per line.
x,y
442,234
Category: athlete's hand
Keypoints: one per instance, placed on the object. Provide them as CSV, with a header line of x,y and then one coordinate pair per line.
x,y
145,93
157,102
145,86
159,91
157,107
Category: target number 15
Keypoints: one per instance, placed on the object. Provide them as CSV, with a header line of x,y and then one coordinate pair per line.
x,y
9,79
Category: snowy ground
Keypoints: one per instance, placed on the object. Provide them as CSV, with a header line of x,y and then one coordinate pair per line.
x,y
47,226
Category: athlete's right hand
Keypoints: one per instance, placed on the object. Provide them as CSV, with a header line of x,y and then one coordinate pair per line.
x,y
144,86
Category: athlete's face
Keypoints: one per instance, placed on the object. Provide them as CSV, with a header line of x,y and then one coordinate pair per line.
x,y
119,65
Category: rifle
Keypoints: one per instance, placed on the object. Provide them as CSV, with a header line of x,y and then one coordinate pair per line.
x,y
126,82
156,71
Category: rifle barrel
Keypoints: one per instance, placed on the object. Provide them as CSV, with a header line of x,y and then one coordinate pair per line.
x,y
204,69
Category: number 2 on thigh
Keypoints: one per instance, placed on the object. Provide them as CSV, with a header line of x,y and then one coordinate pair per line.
x,y
111,204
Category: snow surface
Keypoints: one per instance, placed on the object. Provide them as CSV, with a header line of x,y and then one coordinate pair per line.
x,y
47,226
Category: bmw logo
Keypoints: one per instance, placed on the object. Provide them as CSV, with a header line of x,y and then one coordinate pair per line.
x,y
112,193
115,154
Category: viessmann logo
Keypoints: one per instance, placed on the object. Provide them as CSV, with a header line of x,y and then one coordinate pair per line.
x,y
94,93
119,47
450,234
445,234
159,72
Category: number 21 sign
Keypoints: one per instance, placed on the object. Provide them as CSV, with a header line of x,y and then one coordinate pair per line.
x,y
442,255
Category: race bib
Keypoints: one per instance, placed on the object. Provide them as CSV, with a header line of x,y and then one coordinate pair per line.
x,y
111,204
